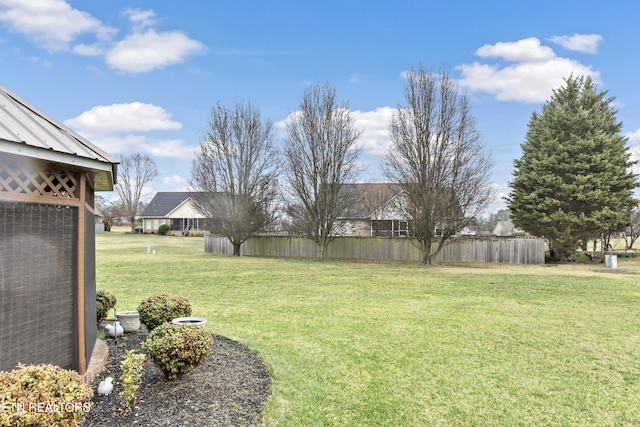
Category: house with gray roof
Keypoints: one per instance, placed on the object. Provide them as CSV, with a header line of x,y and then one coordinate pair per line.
x,y
175,208
375,211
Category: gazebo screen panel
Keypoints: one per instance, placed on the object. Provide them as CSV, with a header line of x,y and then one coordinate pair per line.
x,y
38,265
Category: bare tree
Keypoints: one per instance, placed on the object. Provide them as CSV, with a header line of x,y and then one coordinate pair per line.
x,y
632,234
235,173
110,211
134,172
320,157
438,159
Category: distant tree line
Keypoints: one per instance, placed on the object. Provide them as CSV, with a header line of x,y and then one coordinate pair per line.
x,y
573,183
436,158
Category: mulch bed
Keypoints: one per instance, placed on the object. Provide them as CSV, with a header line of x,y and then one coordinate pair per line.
x,y
229,388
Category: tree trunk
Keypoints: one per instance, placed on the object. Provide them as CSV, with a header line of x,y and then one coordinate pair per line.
x,y
322,248
427,257
236,249
132,220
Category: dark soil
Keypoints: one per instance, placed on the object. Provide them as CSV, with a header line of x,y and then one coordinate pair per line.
x,y
229,388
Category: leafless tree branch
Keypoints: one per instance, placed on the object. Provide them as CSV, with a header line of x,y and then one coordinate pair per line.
x,y
134,172
235,173
320,156
436,156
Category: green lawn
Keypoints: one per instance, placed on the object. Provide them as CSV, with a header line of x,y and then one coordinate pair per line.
x,y
366,344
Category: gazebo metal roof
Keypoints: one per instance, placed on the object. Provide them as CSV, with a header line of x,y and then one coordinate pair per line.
x,y
27,131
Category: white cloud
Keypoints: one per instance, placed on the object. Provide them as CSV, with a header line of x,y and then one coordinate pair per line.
x,y
535,70
147,49
585,43
170,148
151,50
52,24
501,190
374,125
634,137
96,49
375,129
176,182
141,19
132,143
55,25
116,144
634,141
525,50
280,127
123,118
120,128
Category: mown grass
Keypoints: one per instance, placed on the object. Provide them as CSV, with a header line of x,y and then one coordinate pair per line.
x,y
363,344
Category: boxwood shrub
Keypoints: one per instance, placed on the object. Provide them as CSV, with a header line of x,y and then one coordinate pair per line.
x,y
43,395
158,309
177,349
131,367
105,301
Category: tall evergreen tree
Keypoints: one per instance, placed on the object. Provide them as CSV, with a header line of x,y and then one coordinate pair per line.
x,y
574,178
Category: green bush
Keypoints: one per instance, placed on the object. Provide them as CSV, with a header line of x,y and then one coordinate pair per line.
x,y
131,366
158,309
105,301
43,395
163,229
177,349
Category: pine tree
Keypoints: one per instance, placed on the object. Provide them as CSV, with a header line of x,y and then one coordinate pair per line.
x,y
574,178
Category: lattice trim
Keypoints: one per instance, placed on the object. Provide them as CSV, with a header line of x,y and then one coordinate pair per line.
x,y
18,177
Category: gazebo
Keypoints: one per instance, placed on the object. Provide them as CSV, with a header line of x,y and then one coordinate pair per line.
x,y
48,177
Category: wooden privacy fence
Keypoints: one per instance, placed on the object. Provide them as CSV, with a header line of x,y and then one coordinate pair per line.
x,y
500,250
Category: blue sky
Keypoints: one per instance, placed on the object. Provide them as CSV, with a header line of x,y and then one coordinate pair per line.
x,y
141,76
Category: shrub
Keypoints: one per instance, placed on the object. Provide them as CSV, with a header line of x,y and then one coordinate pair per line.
x,y
131,367
177,349
161,308
43,395
163,229
105,301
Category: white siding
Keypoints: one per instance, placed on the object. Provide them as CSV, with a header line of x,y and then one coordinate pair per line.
x,y
186,210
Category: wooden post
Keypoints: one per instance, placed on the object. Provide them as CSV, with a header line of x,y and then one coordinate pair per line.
x,y
82,216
